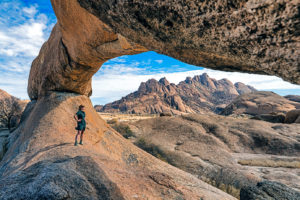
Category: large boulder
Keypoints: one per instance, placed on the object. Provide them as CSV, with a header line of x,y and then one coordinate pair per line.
x,y
293,116
78,45
295,98
65,178
272,117
248,36
258,103
268,190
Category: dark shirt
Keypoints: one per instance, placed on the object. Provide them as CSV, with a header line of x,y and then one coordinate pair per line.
x,y
81,115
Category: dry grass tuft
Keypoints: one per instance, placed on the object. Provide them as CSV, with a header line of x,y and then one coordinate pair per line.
x,y
271,163
121,117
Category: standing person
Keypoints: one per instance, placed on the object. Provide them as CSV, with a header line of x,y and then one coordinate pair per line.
x,y
81,124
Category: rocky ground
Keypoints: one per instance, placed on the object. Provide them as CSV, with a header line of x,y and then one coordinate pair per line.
x,y
42,162
225,152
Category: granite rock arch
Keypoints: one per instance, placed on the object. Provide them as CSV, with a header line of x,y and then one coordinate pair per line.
x,y
247,36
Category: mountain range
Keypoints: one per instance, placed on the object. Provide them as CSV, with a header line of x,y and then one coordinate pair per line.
x,y
200,94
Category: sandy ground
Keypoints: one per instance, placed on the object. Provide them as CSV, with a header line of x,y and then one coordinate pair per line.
x,y
125,117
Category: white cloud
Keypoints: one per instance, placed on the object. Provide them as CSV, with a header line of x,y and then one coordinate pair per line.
x,y
30,11
159,61
114,69
21,41
25,39
23,30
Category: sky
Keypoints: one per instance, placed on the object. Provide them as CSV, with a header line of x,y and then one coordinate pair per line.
x,y
26,24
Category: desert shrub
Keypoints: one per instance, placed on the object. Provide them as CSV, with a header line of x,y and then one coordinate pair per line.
x,y
112,121
123,129
153,150
271,163
164,114
226,179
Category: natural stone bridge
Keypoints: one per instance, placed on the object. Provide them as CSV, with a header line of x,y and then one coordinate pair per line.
x,y
42,163
246,36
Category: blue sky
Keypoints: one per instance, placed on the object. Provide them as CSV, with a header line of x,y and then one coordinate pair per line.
x,y
26,25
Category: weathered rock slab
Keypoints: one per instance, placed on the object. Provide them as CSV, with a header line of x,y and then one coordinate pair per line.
x,y
269,191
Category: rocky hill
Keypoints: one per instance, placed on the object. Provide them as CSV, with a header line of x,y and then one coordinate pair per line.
x,y
11,109
194,95
295,98
261,102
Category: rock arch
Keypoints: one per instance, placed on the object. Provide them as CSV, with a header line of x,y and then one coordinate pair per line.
x,y
248,36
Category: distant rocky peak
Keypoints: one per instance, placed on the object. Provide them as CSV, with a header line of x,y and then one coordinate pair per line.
x,y
151,85
242,88
204,76
151,81
225,81
142,87
188,80
164,81
239,84
205,80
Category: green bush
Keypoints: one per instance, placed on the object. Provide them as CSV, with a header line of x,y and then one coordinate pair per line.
x,y
112,121
153,150
123,129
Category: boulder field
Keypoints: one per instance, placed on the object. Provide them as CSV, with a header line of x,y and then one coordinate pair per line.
x,y
41,161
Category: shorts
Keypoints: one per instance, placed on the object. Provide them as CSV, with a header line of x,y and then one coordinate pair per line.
x,y
80,127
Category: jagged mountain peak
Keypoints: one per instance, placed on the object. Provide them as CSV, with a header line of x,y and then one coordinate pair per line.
x,y
193,95
164,81
188,80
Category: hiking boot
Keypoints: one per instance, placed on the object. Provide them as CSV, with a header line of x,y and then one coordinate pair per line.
x,y
80,142
75,143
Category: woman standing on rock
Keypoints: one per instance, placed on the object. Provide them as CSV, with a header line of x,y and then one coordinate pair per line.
x,y
80,118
